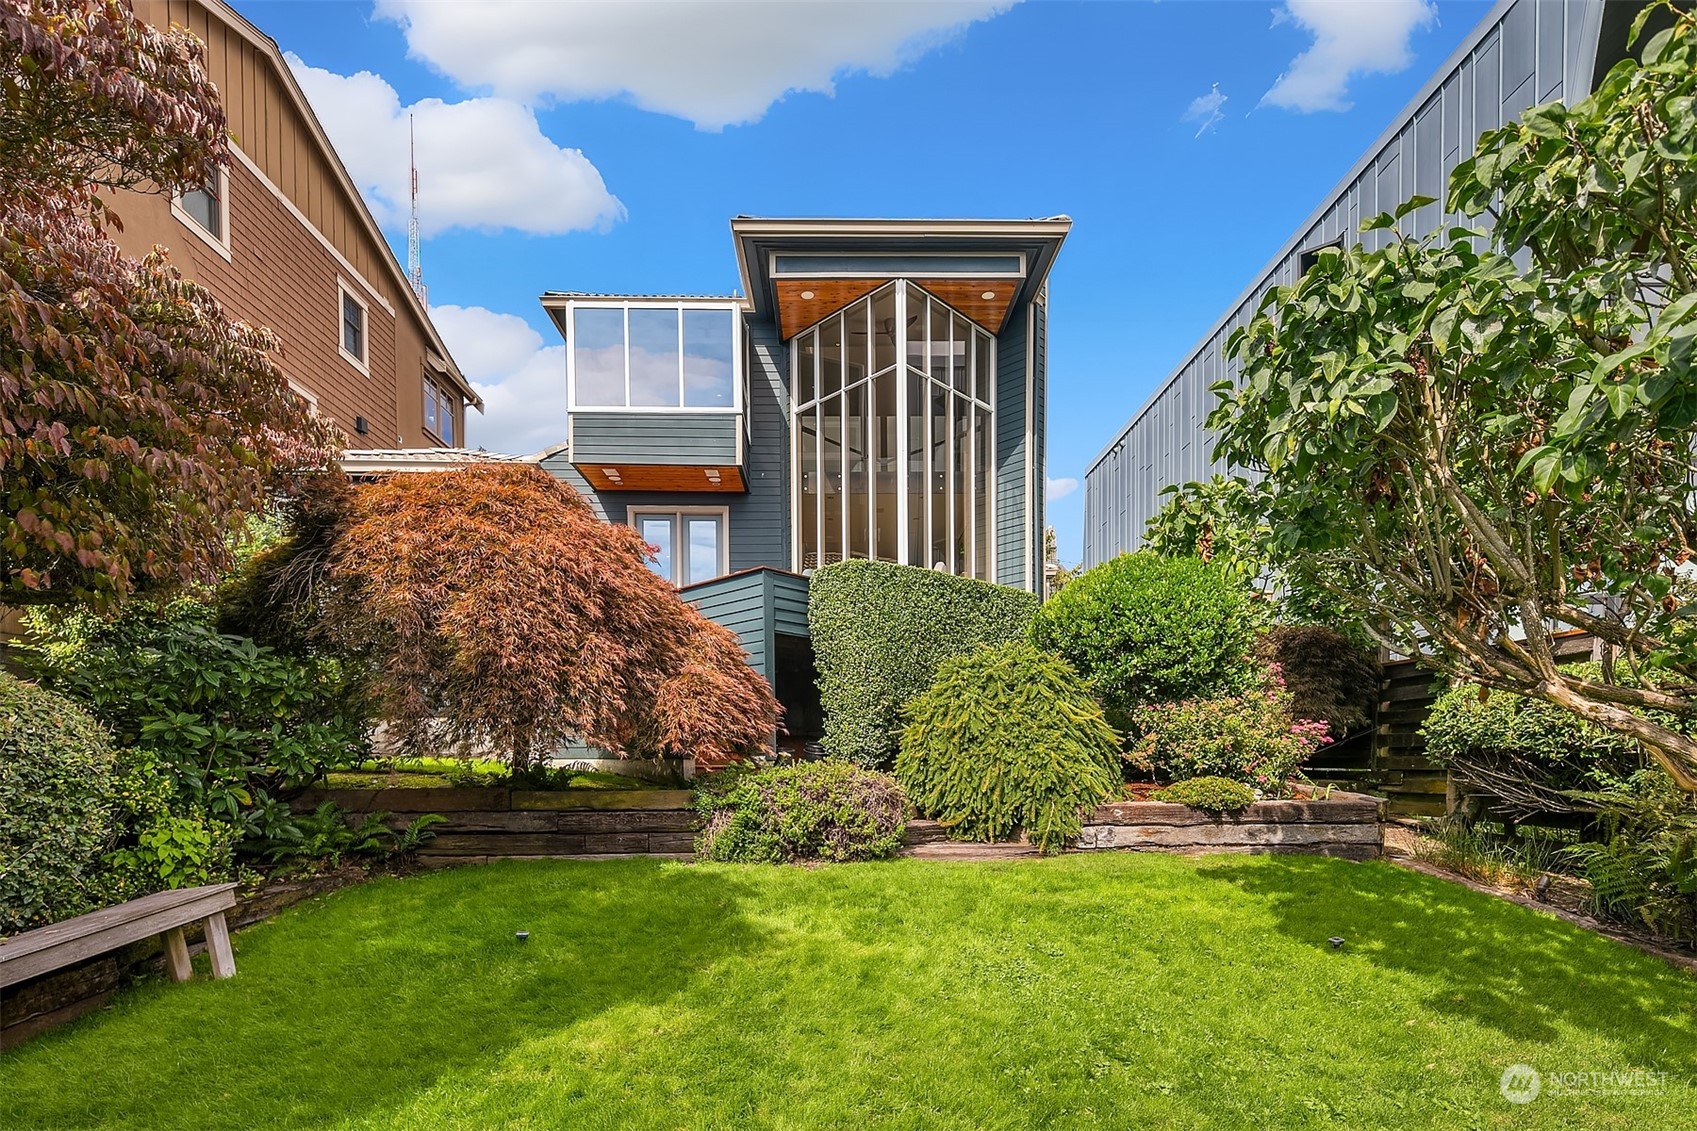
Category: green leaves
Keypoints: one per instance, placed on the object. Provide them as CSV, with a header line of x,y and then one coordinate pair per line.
x,y
1475,445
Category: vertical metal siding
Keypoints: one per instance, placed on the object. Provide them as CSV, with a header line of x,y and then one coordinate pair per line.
x,y
1525,52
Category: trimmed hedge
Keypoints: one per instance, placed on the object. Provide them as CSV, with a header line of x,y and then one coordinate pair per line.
x,y
1008,738
830,810
58,806
1145,629
880,631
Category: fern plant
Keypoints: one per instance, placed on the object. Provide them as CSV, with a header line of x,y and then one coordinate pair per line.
x,y
1008,737
1644,871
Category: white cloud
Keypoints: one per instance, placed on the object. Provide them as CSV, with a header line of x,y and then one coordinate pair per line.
x,y
714,64
1351,37
483,163
522,382
1205,109
1054,489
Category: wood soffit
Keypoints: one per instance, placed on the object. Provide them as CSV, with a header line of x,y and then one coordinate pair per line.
x,y
827,296
662,477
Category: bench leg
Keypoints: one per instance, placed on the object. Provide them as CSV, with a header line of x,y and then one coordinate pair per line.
x,y
218,947
177,956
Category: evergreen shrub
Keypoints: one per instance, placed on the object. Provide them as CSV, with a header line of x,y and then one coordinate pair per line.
x,y
58,806
1008,737
1144,629
1221,795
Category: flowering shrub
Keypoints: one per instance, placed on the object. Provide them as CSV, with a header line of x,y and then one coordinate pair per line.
x,y
829,810
1249,738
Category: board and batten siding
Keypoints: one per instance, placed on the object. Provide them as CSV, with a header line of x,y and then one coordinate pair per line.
x,y
759,528
1524,52
671,437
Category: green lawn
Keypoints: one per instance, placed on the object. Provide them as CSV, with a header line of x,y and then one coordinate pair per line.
x,y
1108,991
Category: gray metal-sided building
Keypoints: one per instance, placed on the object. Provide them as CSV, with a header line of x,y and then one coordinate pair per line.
x,y
1523,53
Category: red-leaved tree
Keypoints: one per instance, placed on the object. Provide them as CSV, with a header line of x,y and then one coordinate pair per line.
x,y
138,423
498,612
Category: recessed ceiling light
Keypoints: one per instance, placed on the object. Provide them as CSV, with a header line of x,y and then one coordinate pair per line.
x,y
989,294
806,294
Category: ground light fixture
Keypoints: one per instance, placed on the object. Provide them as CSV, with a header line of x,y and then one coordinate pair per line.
x,y
522,936
1336,941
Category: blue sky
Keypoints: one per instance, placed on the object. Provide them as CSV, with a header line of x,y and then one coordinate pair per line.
x,y
605,146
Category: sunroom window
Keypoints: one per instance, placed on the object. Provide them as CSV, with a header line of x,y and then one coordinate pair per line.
x,y
894,407
653,356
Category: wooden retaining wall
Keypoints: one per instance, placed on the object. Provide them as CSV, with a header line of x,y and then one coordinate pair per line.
x,y
1344,824
482,824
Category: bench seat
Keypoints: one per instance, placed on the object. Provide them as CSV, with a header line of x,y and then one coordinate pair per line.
x,y
166,913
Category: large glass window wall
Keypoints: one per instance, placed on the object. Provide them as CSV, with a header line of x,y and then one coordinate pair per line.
x,y
893,423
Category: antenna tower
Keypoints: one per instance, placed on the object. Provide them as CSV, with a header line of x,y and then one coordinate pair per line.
x,y
415,268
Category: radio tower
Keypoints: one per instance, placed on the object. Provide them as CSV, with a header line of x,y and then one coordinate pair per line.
x,y
415,268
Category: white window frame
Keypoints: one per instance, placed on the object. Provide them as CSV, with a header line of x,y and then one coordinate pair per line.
x,y
343,293
980,396
679,564
627,305
218,241
304,394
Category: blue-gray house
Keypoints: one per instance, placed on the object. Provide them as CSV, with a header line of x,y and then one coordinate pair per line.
x,y
876,391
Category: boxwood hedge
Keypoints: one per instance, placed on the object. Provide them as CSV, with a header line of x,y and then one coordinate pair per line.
x,y
879,632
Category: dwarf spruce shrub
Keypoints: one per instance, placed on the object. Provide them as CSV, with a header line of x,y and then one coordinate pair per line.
x,y
830,810
879,632
1221,795
1008,737
1145,629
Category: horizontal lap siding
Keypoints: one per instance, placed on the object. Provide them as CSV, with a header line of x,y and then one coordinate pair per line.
x,y
789,604
655,438
759,516
1012,531
280,275
1531,53
739,604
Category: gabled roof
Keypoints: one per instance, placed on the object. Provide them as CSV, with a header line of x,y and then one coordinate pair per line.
x,y
274,55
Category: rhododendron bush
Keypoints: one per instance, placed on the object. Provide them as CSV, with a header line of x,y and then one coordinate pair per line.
x,y
139,424
496,612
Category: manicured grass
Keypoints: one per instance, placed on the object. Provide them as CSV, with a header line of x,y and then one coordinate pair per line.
x,y
1106,991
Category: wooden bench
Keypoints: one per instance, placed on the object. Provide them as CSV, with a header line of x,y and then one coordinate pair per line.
x,y
166,913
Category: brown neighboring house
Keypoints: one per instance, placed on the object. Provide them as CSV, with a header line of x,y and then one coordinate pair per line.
x,y
285,241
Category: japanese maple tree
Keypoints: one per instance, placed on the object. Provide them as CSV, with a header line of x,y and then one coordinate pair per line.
x,y
139,424
497,612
